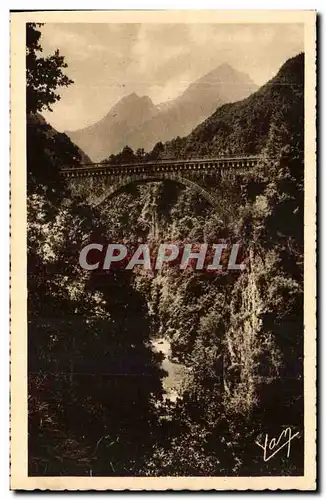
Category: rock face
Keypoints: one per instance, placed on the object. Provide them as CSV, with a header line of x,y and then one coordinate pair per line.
x,y
137,122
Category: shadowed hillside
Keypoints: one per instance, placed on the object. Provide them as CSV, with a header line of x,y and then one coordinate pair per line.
x,y
243,127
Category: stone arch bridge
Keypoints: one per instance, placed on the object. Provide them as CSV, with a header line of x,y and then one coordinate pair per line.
x,y
213,178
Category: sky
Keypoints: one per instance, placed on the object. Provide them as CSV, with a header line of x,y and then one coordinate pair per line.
x,y
110,61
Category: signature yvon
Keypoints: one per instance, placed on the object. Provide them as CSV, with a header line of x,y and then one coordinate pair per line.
x,y
272,446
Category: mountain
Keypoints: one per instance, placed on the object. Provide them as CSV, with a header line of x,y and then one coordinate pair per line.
x,y
135,121
244,127
108,135
200,99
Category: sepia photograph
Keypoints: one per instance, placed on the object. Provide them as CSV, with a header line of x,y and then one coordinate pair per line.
x,y
163,219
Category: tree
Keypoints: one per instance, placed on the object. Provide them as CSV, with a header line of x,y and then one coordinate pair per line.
x,y
43,74
47,150
157,151
140,153
127,155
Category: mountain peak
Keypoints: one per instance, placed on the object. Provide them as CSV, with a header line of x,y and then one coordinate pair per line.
x,y
133,97
224,67
223,84
131,103
225,73
130,97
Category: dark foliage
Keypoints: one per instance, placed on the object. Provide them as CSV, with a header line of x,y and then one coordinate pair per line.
x,y
43,74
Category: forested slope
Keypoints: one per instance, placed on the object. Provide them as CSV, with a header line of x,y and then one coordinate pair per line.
x,y
243,127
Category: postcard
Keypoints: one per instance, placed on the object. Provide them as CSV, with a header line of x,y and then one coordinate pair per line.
x,y
163,255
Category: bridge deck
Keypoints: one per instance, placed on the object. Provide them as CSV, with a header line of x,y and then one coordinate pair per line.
x,y
170,165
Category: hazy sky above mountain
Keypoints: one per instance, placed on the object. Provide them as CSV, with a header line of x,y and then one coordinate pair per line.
x,y
109,61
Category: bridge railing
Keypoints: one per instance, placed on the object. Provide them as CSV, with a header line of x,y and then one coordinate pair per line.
x,y
166,165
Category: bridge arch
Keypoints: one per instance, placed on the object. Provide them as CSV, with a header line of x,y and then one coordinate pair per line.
x,y
140,178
